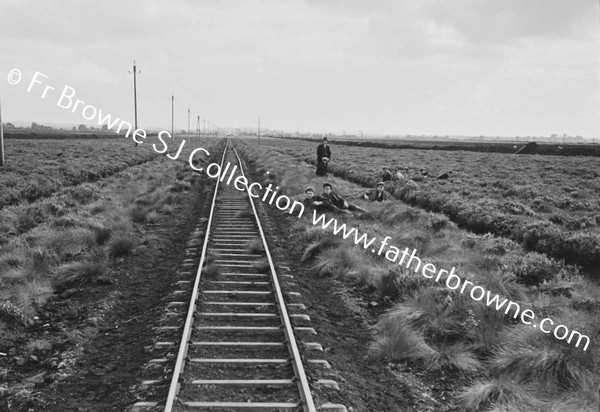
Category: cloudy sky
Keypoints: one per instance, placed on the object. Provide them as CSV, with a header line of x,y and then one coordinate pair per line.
x,y
510,67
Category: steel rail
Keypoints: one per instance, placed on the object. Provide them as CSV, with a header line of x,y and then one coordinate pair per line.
x,y
189,322
305,394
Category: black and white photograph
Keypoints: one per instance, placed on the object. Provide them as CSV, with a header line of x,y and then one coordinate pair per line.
x,y
300,205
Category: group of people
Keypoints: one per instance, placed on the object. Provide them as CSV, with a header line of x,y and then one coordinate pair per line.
x,y
330,201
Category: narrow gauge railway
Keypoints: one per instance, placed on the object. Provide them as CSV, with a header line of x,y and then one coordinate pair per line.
x,y
244,343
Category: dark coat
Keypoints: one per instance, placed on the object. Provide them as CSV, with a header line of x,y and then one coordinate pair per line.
x,y
335,200
323,151
309,203
375,196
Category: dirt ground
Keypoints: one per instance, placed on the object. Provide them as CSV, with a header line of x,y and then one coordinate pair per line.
x,y
104,331
101,332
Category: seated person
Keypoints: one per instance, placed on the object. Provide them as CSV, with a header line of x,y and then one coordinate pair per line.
x,y
386,175
338,201
311,201
379,194
318,203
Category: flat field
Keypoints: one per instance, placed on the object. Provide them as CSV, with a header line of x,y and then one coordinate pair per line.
x,y
39,167
550,204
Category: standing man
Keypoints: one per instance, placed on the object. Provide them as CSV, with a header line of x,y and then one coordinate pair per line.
x,y
323,156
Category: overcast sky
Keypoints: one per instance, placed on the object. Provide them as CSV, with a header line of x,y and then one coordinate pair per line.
x,y
492,67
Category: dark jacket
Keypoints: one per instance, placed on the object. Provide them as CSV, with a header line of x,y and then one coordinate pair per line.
x,y
309,203
323,151
375,196
335,200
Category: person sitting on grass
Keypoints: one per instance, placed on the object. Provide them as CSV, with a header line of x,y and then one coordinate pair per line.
x,y
318,203
313,202
379,194
338,201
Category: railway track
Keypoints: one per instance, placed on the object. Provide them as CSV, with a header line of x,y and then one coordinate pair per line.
x,y
244,342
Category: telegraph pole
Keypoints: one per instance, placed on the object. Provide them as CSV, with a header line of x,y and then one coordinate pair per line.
x,y
1,137
135,96
188,120
172,116
259,131
198,127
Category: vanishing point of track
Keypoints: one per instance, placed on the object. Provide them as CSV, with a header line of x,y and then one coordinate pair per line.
x,y
238,349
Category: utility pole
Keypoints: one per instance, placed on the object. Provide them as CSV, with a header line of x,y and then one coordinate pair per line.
x,y
172,116
188,120
1,137
135,96
259,131
198,127
204,128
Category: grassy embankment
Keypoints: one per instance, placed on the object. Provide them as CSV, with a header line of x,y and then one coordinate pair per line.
x,y
511,366
548,204
63,242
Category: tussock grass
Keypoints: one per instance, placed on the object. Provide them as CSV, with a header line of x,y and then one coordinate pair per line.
x,y
458,357
439,313
171,199
67,244
122,245
397,340
326,242
528,355
19,300
580,401
395,281
76,274
139,213
152,217
337,262
496,393
102,235
487,326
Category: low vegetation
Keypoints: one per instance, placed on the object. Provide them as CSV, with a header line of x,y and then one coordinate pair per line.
x,y
38,168
504,364
549,204
59,244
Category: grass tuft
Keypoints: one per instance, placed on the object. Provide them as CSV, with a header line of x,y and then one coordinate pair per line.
x,y
121,245
319,246
102,235
76,274
397,340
